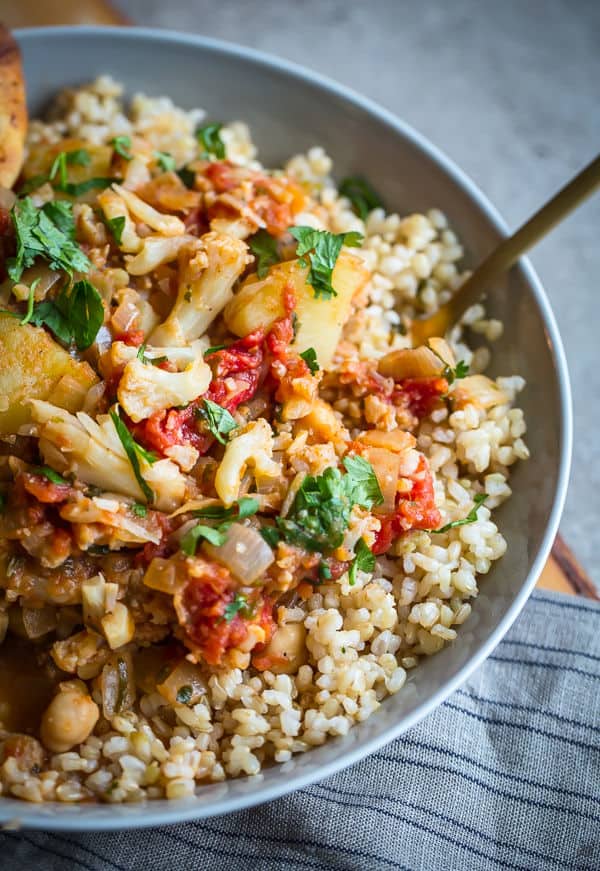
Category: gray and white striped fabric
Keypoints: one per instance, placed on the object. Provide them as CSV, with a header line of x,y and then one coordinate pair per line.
x,y
506,774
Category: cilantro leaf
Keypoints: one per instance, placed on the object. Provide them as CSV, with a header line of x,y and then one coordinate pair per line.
x,y
461,370
361,195
149,361
30,301
219,421
362,481
48,314
271,535
85,313
49,473
322,248
238,605
264,248
187,176
116,227
245,507
184,694
122,144
134,453
165,160
209,137
471,517
310,358
324,571
216,536
47,232
214,349
139,509
76,189
363,561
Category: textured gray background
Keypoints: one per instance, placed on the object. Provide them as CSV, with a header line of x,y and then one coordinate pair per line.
x,y
511,91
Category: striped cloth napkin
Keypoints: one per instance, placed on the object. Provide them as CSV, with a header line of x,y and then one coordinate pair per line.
x,y
506,774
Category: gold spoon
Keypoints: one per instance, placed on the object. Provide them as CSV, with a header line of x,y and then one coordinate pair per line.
x,y
507,253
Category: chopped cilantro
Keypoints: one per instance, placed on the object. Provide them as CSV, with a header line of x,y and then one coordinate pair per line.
x,y
238,605
245,507
134,453
184,694
209,136
187,176
165,160
74,315
47,232
324,571
214,535
139,510
214,349
271,535
322,248
90,184
116,227
363,561
219,421
471,517
122,144
361,195
310,358
461,370
320,513
217,535
30,301
264,248
151,361
50,474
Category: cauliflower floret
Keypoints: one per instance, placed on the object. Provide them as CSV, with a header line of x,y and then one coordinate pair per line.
x,y
253,448
166,225
145,389
93,451
114,207
203,292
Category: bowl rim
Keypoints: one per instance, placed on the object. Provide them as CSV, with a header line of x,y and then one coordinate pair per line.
x,y
34,816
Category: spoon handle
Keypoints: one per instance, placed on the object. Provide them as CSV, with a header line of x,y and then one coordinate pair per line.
x,y
508,252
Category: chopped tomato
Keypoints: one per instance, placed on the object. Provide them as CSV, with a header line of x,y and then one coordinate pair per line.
x,y
201,610
415,509
44,490
131,337
420,395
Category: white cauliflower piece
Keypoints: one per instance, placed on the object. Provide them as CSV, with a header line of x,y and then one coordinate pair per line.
x,y
157,250
92,451
145,389
203,292
166,225
113,207
253,449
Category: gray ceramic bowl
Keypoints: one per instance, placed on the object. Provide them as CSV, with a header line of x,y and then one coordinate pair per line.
x,y
290,109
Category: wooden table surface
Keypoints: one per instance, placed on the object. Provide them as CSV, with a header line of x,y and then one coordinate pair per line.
x,y
562,573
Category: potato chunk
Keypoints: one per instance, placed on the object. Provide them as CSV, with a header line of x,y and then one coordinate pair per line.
x,y
320,321
34,366
13,111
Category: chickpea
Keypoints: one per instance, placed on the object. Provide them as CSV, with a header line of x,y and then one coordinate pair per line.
x,y
69,718
285,652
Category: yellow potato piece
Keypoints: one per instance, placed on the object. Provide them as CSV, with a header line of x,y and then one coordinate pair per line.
x,y
320,321
13,110
34,366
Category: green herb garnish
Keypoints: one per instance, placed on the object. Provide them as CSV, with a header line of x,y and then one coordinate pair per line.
x,y
30,301
139,510
47,232
214,349
363,560
244,507
187,176
310,358
76,314
214,535
50,474
471,517
149,361
209,137
116,227
165,160
361,195
461,370
320,249
134,452
264,248
122,144
324,571
184,694
217,535
238,605
271,535
219,421
320,513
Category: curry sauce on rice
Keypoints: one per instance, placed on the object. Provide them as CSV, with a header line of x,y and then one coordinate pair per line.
x,y
237,506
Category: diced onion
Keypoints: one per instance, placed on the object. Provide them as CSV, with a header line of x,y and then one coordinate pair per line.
x,y
386,466
478,390
117,685
161,575
443,350
411,363
183,685
245,553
